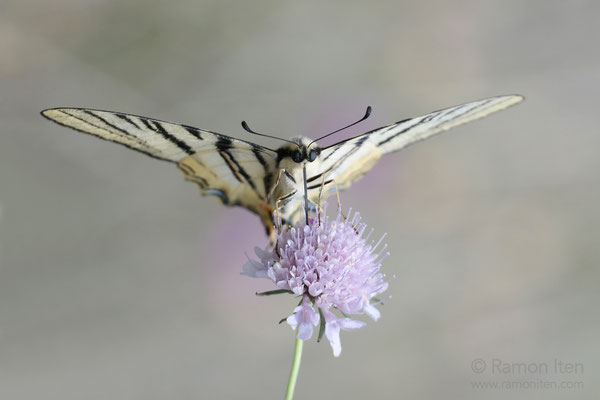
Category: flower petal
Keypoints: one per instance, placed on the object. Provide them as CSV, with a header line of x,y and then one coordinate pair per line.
x,y
371,311
348,324
305,318
333,335
254,269
332,331
333,326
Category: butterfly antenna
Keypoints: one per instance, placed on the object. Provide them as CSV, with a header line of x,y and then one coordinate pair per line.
x,y
247,129
369,109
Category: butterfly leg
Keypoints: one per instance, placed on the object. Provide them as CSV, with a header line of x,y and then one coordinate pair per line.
x,y
276,217
270,194
337,194
265,212
290,219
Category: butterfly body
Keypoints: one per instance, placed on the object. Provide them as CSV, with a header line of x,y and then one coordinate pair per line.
x,y
269,183
288,192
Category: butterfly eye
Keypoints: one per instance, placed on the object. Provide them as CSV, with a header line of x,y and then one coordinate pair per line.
x,y
297,156
312,156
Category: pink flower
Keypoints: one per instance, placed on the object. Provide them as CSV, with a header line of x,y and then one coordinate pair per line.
x,y
331,264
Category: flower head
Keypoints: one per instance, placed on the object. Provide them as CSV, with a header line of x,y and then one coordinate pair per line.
x,y
331,264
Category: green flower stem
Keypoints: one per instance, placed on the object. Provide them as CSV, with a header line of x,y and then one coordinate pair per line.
x,y
289,393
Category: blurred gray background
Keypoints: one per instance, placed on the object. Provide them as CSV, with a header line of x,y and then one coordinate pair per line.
x,y
118,281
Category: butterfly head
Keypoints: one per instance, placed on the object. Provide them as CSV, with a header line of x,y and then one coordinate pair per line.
x,y
300,150
307,150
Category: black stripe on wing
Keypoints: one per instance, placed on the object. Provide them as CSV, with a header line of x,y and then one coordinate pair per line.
x,y
225,145
415,123
364,137
441,116
351,148
137,140
104,121
268,178
318,185
242,171
126,118
227,158
157,127
193,131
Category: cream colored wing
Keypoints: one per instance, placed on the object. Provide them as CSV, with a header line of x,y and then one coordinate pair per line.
x,y
347,161
240,175
238,172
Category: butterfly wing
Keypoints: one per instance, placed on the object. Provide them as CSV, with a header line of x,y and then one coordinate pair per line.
x,y
342,163
238,172
158,139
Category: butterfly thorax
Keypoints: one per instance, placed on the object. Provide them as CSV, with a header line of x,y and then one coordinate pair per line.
x,y
288,192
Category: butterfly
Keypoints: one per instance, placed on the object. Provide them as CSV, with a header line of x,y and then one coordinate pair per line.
x,y
269,182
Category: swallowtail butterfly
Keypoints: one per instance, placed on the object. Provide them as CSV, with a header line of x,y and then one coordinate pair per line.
x,y
242,173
